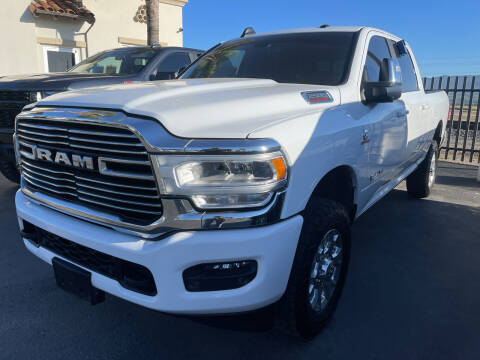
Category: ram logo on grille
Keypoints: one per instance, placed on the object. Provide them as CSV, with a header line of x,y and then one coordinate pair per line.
x,y
61,158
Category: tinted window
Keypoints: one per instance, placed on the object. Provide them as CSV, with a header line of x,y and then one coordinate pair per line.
x,y
173,62
307,58
377,51
409,78
116,62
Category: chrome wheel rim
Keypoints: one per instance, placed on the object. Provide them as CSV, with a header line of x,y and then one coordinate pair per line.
x,y
432,171
325,270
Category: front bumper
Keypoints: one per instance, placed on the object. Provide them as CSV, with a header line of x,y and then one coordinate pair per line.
x,y
273,247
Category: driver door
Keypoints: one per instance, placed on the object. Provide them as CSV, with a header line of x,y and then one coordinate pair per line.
x,y
384,125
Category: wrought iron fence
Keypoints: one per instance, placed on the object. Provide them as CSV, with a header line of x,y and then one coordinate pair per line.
x,y
462,140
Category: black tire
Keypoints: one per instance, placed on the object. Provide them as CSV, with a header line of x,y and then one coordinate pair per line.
x,y
420,183
296,314
10,171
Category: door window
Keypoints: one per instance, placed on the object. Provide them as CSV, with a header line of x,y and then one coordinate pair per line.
x,y
168,67
377,51
173,62
409,77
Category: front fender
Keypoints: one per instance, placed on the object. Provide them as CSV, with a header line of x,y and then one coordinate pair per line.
x,y
314,145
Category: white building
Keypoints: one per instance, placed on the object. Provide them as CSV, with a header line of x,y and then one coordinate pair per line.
x,y
50,35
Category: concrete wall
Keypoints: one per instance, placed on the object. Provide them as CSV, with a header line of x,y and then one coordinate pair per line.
x,y
23,37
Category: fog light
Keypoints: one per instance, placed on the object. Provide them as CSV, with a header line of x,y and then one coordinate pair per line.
x,y
219,276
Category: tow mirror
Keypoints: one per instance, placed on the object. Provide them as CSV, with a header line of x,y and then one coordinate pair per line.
x,y
389,88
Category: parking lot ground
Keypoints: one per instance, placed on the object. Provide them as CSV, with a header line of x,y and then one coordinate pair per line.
x,y
413,292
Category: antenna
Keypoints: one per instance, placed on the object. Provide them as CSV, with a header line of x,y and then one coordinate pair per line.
x,y
248,31
324,26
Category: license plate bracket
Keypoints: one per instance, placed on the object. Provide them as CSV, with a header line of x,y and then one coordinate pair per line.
x,y
76,281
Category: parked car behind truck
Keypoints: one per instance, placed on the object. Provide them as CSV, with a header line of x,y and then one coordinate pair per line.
x,y
105,68
234,187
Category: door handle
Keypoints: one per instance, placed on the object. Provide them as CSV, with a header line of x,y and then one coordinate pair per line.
x,y
425,107
402,113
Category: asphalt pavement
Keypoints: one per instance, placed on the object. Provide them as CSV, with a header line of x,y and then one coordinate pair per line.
x,y
413,292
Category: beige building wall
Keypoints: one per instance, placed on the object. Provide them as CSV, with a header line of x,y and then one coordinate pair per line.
x,y
18,38
26,38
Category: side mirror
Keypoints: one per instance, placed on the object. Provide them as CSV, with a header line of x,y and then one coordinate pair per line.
x,y
402,48
389,88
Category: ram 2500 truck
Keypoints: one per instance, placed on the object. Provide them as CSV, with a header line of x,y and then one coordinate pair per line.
x,y
235,186
117,66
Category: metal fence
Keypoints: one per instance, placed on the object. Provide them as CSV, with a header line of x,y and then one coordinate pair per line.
x,y
462,140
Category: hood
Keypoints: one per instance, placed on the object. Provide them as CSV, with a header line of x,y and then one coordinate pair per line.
x,y
202,108
57,81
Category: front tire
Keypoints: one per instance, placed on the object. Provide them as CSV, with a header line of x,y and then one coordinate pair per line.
x,y
422,180
319,269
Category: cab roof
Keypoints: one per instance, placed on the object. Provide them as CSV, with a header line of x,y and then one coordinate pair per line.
x,y
320,30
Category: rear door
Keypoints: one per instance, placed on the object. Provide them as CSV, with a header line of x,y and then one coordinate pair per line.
x,y
419,111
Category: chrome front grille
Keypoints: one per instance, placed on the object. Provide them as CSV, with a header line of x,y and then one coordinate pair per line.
x,y
120,183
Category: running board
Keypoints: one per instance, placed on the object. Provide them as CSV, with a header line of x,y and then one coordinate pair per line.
x,y
390,186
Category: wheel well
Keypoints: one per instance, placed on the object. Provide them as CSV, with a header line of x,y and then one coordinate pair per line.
x,y
339,185
438,134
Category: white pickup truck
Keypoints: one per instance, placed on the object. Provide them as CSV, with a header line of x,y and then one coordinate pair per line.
x,y
233,187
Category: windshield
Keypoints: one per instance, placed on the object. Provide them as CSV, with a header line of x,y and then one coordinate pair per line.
x,y
116,62
305,58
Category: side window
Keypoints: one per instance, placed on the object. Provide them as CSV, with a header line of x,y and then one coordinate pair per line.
x,y
173,62
409,77
377,51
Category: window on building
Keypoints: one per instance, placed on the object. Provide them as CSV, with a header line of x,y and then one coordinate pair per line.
x,y
59,59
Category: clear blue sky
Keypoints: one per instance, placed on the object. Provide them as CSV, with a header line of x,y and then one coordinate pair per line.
x,y
444,35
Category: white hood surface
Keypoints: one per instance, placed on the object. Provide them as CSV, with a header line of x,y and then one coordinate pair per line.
x,y
202,108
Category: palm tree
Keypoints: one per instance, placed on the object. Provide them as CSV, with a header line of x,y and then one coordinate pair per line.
x,y
153,32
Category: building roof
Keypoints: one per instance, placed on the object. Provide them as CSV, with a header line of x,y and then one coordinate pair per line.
x,y
73,9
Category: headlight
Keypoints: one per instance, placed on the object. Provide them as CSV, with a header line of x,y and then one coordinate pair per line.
x,y
230,172
223,181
